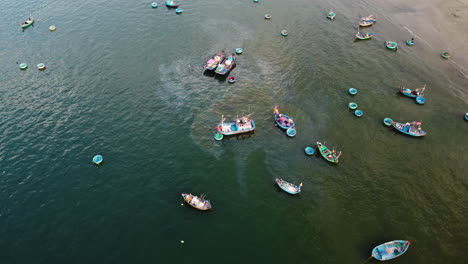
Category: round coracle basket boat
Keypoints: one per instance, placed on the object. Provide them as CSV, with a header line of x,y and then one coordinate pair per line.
x,y
358,113
445,55
284,33
388,121
309,151
352,105
41,66
352,91
23,66
391,45
291,132
267,16
420,100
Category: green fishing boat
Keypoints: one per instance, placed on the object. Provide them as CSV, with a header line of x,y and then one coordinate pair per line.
x,y
27,23
330,155
445,55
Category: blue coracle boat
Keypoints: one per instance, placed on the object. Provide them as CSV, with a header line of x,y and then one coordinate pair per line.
x,y
241,125
390,250
412,129
288,187
282,120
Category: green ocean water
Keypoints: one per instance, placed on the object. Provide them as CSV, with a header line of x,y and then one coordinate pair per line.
x,y
126,81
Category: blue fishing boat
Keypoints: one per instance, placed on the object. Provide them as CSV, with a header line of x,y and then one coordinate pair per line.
x,y
171,4
412,129
226,66
213,62
283,121
288,187
239,126
390,250
418,92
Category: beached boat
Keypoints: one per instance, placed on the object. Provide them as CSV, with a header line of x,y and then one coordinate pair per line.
x,y
197,202
282,120
331,15
412,129
288,187
330,155
390,250
213,62
27,23
391,45
418,92
239,126
171,4
226,66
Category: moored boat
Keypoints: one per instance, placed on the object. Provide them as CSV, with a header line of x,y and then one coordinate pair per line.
x,y
412,129
226,66
27,23
391,45
364,36
329,155
213,62
331,15
366,23
283,121
418,92
171,4
410,42
239,126
390,250
369,18
445,55
197,202
288,187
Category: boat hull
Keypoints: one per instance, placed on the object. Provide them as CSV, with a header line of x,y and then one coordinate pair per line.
x,y
390,250
214,61
196,202
224,69
282,125
411,132
26,25
287,186
233,128
325,152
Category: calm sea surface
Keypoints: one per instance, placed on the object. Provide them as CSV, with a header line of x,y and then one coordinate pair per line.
x,y
126,81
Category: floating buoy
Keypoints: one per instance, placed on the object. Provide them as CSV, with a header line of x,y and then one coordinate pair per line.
x,y
352,105
178,11
358,113
239,50
218,136
291,132
267,16
388,121
182,204
445,55
352,91
154,5
182,241
231,79
52,28
23,66
284,32
420,100
309,151
97,159
41,66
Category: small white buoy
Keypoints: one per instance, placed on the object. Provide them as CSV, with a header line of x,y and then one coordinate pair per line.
x,y
52,28
182,204
182,241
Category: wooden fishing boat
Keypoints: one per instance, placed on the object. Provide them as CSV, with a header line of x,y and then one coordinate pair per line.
x,y
27,23
412,129
226,66
331,15
366,23
364,36
197,202
330,155
288,187
283,121
418,92
239,126
369,18
213,62
171,4
390,250
391,45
